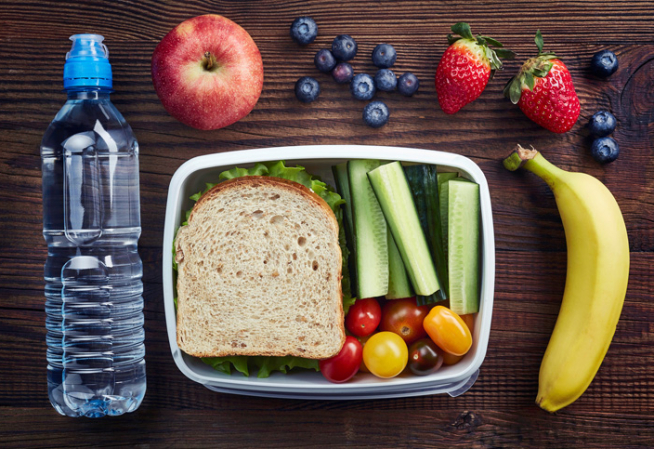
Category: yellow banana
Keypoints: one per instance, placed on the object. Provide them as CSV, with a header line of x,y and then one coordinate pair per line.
x,y
595,285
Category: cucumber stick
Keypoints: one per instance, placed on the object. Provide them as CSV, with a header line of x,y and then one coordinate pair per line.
x,y
443,198
464,252
392,190
399,285
370,232
343,188
423,182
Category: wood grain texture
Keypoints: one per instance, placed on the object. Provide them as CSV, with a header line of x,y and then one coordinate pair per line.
x,y
499,411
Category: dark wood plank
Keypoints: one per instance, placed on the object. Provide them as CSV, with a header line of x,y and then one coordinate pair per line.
x,y
616,411
337,428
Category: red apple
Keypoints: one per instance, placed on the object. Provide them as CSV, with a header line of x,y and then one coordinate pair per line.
x,y
207,72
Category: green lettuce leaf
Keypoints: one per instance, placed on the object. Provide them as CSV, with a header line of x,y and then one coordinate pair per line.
x,y
262,364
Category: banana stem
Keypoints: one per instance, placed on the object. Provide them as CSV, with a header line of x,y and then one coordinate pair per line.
x,y
533,161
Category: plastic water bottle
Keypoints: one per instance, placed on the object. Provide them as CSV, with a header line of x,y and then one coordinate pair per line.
x,y
91,223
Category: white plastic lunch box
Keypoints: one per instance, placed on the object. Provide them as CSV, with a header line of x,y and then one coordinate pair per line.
x,y
318,160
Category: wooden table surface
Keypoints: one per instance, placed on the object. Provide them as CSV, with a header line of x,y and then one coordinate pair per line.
x,y
499,410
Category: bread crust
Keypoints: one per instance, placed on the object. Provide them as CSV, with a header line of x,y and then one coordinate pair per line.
x,y
257,181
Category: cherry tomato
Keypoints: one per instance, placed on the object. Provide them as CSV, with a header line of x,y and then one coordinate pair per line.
x,y
425,357
364,317
344,365
448,331
385,354
404,317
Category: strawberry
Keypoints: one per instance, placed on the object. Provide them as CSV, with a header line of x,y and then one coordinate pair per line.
x,y
544,91
465,68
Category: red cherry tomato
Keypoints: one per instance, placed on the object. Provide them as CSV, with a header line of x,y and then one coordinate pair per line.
x,y
404,317
364,317
343,366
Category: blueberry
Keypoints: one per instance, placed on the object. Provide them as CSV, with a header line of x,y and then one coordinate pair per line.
x,y
384,56
604,63
601,124
408,84
385,80
605,150
344,47
307,89
343,73
376,114
304,30
363,87
324,60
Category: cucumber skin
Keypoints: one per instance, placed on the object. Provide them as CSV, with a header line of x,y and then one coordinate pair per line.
x,y
399,285
343,187
464,256
443,200
392,190
370,232
423,182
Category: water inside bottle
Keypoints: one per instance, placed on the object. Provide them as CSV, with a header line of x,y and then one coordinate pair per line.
x,y
93,271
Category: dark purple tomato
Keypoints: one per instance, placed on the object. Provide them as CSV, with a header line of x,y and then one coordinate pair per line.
x,y
424,357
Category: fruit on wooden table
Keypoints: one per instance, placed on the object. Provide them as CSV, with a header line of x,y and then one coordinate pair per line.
x,y
601,124
408,84
344,47
363,87
385,80
307,89
304,30
544,91
376,114
465,67
324,60
604,63
596,281
384,56
207,72
605,150
343,73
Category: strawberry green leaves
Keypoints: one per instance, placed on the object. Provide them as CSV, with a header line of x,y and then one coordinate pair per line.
x,y
463,31
532,69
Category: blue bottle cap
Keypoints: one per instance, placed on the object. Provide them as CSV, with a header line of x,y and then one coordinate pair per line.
x,y
87,63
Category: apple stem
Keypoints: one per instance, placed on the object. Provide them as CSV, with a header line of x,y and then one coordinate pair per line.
x,y
209,61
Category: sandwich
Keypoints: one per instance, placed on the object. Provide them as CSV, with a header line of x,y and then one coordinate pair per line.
x,y
259,269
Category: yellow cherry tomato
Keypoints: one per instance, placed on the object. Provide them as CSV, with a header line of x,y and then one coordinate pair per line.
x,y
385,354
448,331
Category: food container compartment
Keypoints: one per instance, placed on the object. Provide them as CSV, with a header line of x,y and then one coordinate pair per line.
x,y
454,380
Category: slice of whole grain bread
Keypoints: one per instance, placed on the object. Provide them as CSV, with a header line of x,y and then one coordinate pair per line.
x,y
259,272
